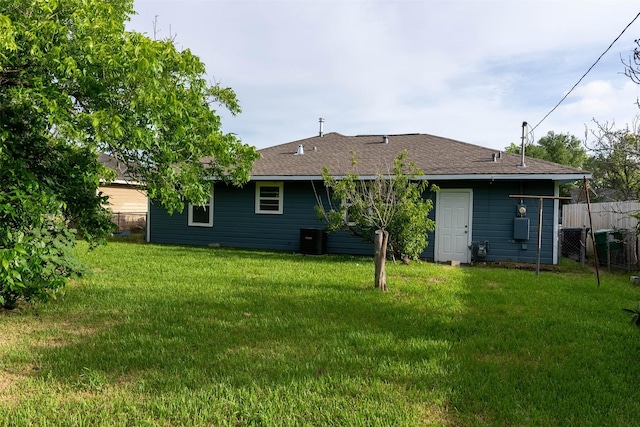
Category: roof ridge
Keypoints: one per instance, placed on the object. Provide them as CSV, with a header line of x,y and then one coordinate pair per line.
x,y
389,134
434,155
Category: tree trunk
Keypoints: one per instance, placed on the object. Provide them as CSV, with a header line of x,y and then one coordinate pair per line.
x,y
380,244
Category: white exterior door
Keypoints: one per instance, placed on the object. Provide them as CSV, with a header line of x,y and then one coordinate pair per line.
x,y
453,225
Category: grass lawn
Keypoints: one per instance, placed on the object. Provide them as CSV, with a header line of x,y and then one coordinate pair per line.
x,y
165,335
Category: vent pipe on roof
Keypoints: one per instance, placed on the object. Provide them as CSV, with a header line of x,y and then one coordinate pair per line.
x,y
300,151
321,126
522,165
385,139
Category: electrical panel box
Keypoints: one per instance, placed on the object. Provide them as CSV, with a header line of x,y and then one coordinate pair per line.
x,y
521,228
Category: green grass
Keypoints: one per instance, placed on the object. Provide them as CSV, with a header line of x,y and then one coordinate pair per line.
x,y
164,335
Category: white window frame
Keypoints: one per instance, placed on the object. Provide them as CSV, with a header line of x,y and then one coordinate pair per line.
x,y
280,197
209,204
347,205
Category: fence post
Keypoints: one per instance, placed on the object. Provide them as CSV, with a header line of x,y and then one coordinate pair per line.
x,y
583,246
608,252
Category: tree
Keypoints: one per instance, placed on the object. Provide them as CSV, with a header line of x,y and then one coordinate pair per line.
x,y
558,148
74,83
389,211
615,163
616,154
632,66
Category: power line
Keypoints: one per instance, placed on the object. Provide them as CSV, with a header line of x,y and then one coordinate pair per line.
x,y
587,72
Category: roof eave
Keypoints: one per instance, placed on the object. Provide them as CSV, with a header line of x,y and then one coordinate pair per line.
x,y
120,182
438,177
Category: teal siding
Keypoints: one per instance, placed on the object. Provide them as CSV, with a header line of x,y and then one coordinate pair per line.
x,y
493,214
236,224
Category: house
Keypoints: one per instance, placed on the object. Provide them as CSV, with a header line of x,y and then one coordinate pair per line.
x,y
127,201
474,213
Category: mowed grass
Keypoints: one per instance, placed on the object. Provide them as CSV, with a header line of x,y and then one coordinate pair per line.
x,y
166,335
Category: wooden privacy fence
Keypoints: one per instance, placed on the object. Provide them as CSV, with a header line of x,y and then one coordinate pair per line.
x,y
604,215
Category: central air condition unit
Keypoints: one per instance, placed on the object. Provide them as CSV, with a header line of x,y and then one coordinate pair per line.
x,y
313,241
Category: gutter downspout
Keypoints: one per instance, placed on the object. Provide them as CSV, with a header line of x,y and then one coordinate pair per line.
x,y
148,231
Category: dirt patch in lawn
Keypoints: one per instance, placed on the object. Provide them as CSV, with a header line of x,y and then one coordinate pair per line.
x,y
519,266
6,381
7,391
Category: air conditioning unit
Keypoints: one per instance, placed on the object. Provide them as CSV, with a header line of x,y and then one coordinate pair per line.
x,y
313,241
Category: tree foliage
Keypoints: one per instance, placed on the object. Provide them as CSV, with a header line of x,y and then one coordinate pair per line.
x,y
632,65
74,83
565,149
393,203
615,163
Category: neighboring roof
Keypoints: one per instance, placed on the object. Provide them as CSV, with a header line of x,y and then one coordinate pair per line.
x,y
438,158
122,177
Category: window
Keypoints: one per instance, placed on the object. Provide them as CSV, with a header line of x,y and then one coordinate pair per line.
x,y
268,197
351,213
348,213
201,216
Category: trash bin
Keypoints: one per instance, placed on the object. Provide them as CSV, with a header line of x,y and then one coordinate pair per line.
x,y
608,244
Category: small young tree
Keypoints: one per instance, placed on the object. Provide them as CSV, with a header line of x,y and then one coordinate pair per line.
x,y
389,211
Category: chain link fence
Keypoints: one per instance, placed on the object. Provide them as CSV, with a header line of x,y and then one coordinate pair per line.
x,y
615,248
572,242
133,222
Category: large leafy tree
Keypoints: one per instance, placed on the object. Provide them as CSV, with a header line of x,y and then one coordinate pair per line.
x,y
74,83
560,148
389,211
615,162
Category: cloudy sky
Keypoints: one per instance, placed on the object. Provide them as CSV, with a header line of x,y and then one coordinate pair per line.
x,y
471,70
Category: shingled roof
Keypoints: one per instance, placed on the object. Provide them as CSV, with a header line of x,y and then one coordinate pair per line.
x,y
437,157
122,174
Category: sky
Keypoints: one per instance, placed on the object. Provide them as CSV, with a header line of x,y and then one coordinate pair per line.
x,y
471,70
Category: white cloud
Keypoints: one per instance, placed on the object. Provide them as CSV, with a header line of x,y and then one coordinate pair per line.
x,y
603,98
469,70
599,100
